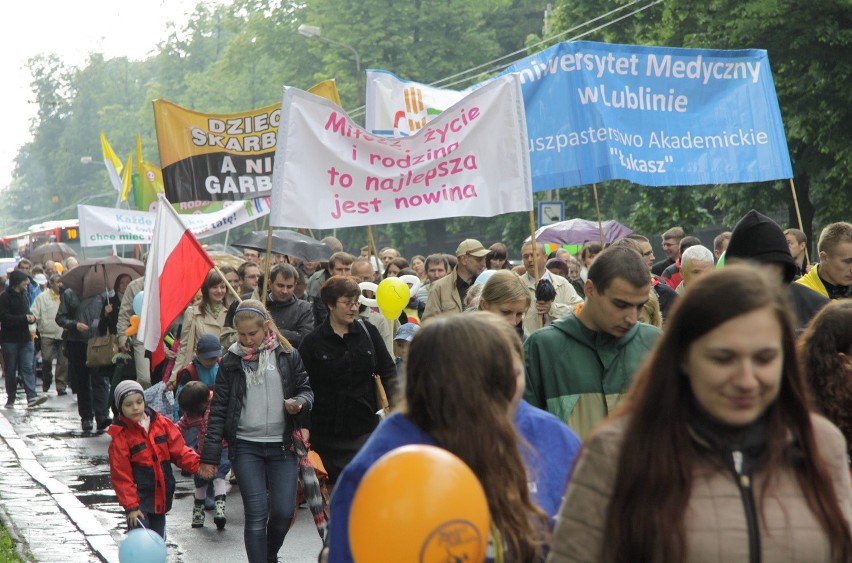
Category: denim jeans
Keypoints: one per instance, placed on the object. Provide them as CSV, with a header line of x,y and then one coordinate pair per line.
x,y
267,477
19,358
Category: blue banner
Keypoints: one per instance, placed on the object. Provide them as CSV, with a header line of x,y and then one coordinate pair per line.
x,y
656,116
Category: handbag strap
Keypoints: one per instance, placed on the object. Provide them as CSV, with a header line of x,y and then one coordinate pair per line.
x,y
372,345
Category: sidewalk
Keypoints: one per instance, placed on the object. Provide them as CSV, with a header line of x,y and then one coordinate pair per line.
x,y
39,469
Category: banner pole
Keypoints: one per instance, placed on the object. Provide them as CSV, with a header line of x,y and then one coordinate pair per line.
x,y
799,218
268,260
371,242
534,248
598,209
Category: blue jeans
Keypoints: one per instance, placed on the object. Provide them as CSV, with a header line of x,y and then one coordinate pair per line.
x,y
267,477
19,357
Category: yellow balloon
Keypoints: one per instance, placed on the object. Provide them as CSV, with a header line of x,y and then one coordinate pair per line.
x,y
392,295
422,504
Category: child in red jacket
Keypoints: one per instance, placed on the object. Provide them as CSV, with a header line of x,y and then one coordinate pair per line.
x,y
144,445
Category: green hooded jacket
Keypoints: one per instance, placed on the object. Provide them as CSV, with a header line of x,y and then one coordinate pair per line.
x,y
579,375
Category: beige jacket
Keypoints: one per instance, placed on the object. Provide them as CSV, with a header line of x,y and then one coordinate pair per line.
x,y
195,324
715,522
444,297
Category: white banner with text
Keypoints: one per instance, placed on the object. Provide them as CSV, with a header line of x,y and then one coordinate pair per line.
x,y
472,160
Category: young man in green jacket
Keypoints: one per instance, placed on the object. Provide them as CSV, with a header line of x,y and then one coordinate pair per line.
x,y
580,367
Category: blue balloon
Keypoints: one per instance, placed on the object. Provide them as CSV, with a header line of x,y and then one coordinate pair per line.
x,y
137,302
142,546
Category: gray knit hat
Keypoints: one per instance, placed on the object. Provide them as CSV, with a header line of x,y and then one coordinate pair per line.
x,y
124,389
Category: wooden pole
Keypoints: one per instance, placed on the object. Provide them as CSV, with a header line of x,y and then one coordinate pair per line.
x,y
598,209
535,272
373,251
268,260
227,285
799,219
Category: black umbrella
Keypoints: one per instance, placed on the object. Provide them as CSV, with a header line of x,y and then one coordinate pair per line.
x,y
289,243
56,251
98,275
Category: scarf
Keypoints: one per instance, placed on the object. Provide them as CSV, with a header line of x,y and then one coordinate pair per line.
x,y
254,359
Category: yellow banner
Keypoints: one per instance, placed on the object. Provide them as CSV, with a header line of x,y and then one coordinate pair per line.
x,y
220,157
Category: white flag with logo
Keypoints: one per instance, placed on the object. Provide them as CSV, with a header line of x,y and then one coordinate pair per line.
x,y
400,108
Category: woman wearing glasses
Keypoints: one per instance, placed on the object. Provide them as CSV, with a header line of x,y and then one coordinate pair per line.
x,y
341,355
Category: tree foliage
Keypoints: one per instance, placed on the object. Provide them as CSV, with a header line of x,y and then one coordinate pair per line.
x,y
234,57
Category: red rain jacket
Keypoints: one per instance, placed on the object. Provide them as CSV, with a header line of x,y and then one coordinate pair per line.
x,y
140,462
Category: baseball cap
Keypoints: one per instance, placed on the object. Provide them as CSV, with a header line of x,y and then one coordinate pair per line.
x,y
472,247
208,347
406,332
40,279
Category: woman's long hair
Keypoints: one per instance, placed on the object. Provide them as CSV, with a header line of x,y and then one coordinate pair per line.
x,y
645,518
829,334
461,382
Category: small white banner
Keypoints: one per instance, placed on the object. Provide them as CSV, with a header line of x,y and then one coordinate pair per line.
x,y
471,160
105,226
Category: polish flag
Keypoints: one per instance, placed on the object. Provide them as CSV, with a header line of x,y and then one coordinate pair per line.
x,y
177,266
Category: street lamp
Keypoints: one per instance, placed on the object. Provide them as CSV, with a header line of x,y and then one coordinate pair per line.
x,y
314,31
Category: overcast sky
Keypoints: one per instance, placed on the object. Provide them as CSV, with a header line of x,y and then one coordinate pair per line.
x,y
71,30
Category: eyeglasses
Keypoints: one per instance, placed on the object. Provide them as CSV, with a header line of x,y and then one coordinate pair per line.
x,y
349,304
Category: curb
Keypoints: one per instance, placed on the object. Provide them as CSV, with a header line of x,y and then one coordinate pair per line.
x,y
98,538
20,545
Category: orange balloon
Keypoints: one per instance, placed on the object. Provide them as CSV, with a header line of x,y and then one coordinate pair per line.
x,y
421,504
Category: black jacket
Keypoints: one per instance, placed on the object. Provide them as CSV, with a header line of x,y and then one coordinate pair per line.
x,y
229,394
341,371
294,318
14,308
72,310
806,303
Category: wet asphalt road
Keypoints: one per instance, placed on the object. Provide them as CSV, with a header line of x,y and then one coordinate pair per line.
x,y
56,496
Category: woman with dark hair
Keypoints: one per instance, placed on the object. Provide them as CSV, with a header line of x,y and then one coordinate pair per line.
x,y
418,264
826,359
341,355
588,254
232,278
208,317
714,455
394,267
497,257
464,379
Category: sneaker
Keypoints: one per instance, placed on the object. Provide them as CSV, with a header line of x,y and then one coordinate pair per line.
x,y
219,518
10,405
36,401
198,514
87,425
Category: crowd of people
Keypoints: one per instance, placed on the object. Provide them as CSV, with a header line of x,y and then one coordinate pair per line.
x,y
614,407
